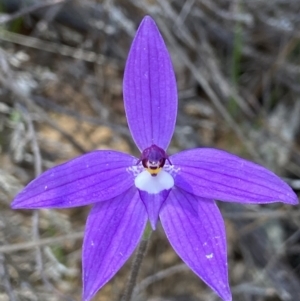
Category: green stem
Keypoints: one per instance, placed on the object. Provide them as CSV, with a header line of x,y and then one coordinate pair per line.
x,y
136,264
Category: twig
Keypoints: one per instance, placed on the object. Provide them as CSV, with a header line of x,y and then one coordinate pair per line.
x,y
261,214
50,15
41,242
34,143
157,277
27,10
186,9
76,53
5,279
254,290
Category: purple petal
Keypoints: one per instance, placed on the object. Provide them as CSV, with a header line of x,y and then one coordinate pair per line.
x,y
93,177
153,203
149,88
195,229
113,230
215,174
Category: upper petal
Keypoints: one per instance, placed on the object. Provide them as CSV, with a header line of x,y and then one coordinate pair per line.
x,y
113,230
216,174
195,229
93,177
149,88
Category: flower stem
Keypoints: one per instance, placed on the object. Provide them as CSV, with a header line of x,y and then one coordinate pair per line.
x,y
136,264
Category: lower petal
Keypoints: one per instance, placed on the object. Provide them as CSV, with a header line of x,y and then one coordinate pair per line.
x,y
153,203
113,230
195,229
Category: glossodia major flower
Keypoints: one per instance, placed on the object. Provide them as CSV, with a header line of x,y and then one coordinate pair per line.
x,y
179,190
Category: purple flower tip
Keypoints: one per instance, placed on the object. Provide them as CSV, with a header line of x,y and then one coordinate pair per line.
x,y
178,190
149,88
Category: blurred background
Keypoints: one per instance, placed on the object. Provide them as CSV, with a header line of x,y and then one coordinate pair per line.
x,y
237,64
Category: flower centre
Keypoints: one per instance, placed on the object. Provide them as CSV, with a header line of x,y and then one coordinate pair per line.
x,y
154,178
153,159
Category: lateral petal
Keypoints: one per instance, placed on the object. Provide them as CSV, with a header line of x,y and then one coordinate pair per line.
x,y
113,230
195,229
93,177
216,174
149,88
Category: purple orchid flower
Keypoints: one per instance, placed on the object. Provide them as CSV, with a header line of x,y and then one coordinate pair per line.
x,y
179,190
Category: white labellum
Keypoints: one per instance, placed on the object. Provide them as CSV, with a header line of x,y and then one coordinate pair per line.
x,y
153,185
